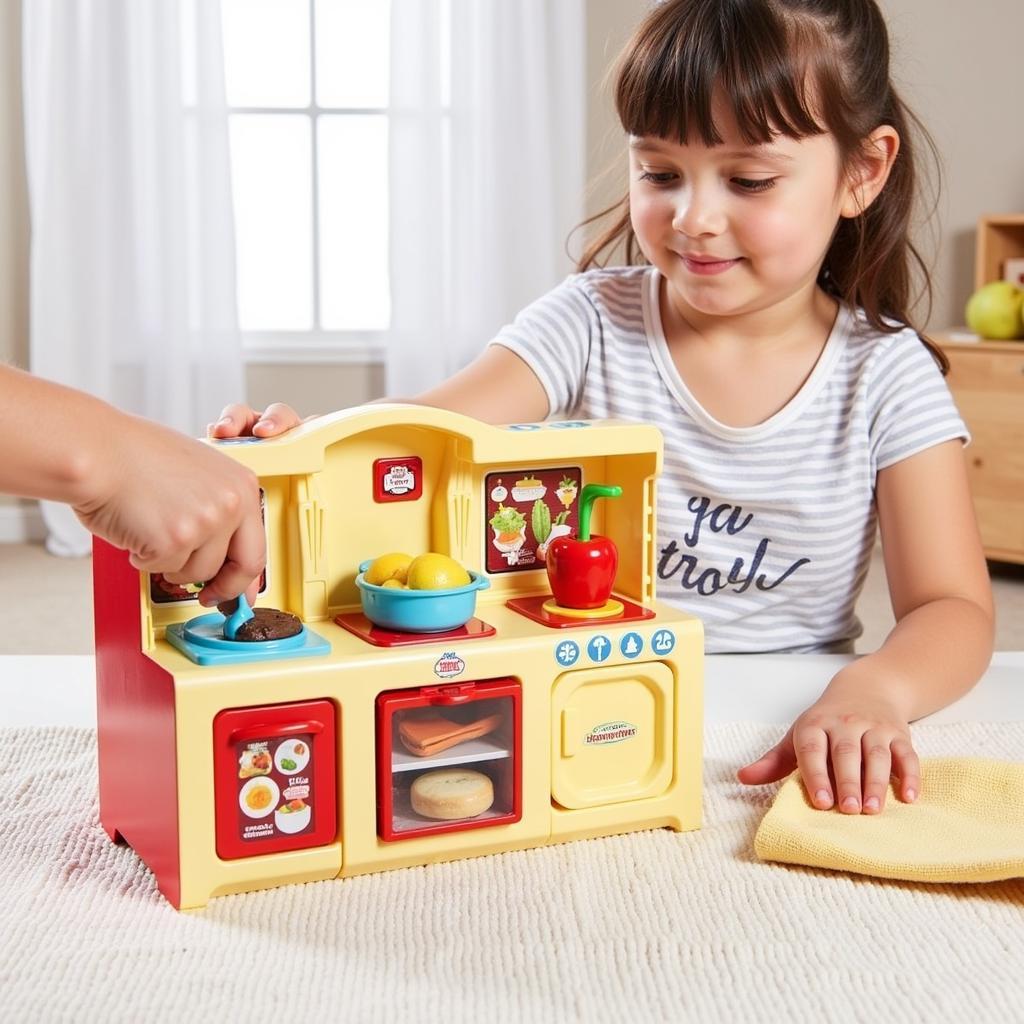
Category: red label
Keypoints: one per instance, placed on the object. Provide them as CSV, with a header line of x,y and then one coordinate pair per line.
x,y
399,479
525,511
275,787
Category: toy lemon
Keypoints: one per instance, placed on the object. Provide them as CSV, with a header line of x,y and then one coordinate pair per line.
x,y
392,566
436,572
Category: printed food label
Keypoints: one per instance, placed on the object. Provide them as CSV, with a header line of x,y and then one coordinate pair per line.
x,y
525,511
275,787
610,732
398,479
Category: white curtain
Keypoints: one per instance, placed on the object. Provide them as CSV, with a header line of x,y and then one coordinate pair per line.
x,y
133,264
487,171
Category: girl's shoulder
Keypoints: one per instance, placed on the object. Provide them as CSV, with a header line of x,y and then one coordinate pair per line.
x,y
872,352
622,285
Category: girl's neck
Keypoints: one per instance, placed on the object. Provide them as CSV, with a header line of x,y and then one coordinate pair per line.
x,y
803,318
742,370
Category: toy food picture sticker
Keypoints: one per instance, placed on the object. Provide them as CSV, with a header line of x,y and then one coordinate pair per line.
x,y
398,479
162,591
526,510
275,787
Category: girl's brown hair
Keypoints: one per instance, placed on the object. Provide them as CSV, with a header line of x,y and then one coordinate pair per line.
x,y
799,67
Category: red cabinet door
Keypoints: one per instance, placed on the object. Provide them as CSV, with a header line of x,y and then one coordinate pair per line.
x,y
448,758
274,778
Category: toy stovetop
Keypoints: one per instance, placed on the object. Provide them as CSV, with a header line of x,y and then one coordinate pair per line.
x,y
639,638
349,487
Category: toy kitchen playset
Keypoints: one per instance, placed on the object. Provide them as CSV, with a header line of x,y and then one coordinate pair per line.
x,y
406,723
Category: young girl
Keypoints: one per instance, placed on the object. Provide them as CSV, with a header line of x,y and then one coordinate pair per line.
x,y
767,333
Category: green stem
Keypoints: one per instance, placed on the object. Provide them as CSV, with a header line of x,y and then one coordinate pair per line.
x,y
590,492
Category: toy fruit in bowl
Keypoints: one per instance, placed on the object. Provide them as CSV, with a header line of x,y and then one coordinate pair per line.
x,y
392,566
435,572
996,311
438,595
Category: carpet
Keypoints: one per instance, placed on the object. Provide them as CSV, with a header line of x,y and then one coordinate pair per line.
x,y
653,926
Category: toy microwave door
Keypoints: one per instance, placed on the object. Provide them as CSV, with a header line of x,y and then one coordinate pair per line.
x,y
612,732
274,778
449,758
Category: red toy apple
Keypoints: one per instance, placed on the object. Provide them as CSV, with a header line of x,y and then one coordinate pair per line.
x,y
582,570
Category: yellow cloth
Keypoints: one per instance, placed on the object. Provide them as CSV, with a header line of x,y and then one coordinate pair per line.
x,y
966,826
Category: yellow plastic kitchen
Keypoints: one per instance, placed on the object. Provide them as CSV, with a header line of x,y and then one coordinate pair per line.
x,y
363,743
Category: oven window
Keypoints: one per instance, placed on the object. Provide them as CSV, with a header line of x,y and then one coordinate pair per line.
x,y
448,758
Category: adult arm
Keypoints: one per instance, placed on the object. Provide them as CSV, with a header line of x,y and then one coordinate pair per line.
x,y
178,506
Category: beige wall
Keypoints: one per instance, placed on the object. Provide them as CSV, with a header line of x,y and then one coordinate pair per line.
x,y
957,63
13,201
314,389
609,25
13,198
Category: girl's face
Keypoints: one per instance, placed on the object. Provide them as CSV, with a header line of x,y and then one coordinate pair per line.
x,y
735,229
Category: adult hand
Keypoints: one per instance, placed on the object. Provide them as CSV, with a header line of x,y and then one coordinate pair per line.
x,y
237,420
846,747
179,507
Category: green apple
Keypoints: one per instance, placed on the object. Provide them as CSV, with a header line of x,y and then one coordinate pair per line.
x,y
996,311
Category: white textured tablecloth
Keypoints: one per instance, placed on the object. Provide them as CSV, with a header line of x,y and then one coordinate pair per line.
x,y
649,926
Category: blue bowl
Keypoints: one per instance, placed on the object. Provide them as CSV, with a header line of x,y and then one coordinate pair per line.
x,y
419,611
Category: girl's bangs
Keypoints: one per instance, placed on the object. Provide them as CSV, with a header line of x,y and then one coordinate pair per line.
x,y
680,62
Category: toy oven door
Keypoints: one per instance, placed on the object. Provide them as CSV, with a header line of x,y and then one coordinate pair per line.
x,y
449,758
274,778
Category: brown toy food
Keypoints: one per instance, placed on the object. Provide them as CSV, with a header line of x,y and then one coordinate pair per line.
x,y
269,624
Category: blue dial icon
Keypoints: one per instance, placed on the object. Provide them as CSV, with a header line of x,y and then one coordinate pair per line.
x,y
567,653
663,641
599,648
631,645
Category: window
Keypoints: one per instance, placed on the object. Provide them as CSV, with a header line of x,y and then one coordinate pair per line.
x,y
307,87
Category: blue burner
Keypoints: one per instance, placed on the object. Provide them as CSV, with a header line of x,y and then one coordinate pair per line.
x,y
202,641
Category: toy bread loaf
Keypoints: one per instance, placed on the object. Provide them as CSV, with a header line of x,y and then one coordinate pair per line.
x,y
451,793
432,732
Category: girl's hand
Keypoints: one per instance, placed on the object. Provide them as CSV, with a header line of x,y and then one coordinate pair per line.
x,y
238,420
858,741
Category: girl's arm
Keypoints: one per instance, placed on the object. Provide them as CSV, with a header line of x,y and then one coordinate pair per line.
x,y
497,387
940,646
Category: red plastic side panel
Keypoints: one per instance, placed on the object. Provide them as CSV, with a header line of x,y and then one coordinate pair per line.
x,y
135,725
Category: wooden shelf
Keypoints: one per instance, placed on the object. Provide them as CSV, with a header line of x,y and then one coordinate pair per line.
x,y
1000,237
961,337
987,381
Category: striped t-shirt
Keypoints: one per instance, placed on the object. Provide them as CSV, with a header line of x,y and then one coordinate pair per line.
x,y
764,532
